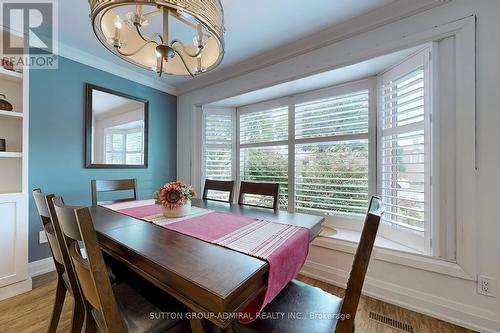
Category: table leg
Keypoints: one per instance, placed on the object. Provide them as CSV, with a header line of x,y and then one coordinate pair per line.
x,y
196,325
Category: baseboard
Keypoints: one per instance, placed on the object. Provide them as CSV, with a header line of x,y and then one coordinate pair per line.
x,y
15,289
41,266
467,316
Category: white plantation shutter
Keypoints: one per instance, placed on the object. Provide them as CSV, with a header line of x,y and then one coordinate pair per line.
x,y
264,126
134,141
114,146
404,146
263,154
218,148
339,115
331,172
134,146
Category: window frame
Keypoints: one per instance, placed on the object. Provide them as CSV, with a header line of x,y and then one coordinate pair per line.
x,y
266,105
368,84
373,86
124,152
218,111
420,241
459,84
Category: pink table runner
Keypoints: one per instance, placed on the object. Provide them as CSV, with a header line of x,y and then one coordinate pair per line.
x,y
283,246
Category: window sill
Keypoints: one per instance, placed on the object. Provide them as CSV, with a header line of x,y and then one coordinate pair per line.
x,y
345,240
380,242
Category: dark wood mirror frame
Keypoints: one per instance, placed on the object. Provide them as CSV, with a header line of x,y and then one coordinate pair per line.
x,y
88,129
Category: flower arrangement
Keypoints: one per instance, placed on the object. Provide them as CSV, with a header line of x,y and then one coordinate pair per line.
x,y
174,195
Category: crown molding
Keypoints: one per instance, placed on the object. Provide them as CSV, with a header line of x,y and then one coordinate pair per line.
x,y
376,18
88,59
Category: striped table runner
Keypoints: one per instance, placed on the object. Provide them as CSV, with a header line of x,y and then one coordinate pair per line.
x,y
283,246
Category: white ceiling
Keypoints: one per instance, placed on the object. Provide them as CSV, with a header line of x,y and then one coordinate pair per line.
x,y
326,79
252,27
103,103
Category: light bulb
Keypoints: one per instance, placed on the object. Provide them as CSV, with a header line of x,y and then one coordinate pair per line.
x,y
204,40
118,22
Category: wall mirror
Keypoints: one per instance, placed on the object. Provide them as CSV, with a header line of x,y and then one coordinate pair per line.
x,y
116,129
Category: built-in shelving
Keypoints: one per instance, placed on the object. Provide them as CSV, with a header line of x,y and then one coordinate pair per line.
x,y
14,193
10,75
11,114
8,154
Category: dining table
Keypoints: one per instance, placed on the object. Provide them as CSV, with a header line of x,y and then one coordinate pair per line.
x,y
212,281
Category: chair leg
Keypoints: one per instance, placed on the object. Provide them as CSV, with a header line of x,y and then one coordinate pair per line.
x,y
78,317
58,304
90,326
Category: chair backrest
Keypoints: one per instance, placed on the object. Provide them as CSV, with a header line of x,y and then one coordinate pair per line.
x,y
218,185
263,189
43,212
112,185
56,239
76,224
360,266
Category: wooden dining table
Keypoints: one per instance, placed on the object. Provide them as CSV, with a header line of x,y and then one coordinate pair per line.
x,y
212,281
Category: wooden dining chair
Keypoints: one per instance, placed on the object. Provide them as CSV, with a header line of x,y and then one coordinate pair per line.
x,y
218,185
66,276
120,307
262,189
113,185
316,310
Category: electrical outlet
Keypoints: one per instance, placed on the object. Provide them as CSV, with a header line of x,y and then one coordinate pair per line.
x,y
486,286
42,237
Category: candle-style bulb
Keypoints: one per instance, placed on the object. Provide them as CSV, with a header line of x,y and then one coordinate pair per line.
x,y
118,22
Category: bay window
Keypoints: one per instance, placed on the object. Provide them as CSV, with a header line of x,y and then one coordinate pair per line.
x,y
331,149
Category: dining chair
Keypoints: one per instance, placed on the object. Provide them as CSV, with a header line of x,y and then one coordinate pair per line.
x,y
316,310
66,276
262,189
218,185
113,185
119,307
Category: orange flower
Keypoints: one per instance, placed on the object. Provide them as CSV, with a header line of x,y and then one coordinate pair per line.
x,y
175,194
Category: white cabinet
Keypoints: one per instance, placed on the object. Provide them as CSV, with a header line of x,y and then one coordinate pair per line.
x,y
13,232
14,190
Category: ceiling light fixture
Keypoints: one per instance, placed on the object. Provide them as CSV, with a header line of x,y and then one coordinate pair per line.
x,y
158,34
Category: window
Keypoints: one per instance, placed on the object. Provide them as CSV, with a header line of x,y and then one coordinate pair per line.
x,y
263,155
124,146
218,148
331,149
331,171
133,152
404,168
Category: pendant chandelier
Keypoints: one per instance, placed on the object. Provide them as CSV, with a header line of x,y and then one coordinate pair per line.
x,y
177,37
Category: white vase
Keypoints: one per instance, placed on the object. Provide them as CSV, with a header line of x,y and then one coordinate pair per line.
x,y
182,210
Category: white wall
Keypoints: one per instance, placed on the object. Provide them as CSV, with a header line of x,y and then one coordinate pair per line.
x,y
451,298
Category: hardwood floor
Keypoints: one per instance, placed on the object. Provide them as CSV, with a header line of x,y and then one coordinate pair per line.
x,y
420,323
30,312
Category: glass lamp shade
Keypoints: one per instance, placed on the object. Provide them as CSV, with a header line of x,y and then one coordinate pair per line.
x,y
109,20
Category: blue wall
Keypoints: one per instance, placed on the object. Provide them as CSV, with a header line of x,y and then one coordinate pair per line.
x,y
56,143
